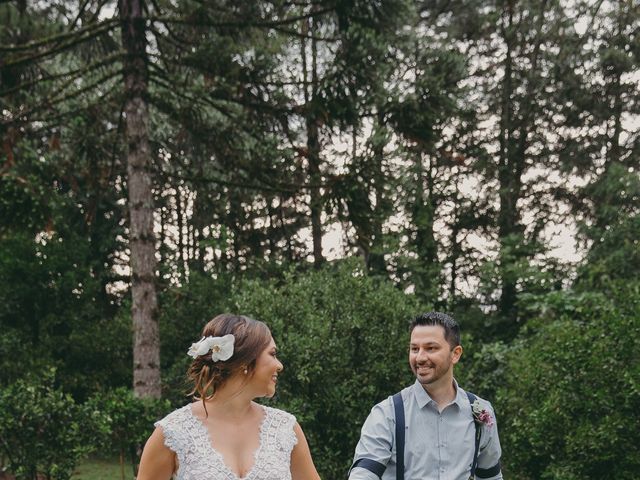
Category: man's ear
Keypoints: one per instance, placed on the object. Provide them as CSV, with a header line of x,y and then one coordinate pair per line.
x,y
456,354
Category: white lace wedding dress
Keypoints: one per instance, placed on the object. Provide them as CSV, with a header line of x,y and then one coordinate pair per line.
x,y
188,437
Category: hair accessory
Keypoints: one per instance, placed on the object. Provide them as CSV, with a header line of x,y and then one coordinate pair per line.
x,y
221,348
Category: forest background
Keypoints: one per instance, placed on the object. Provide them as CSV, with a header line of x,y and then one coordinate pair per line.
x,y
332,167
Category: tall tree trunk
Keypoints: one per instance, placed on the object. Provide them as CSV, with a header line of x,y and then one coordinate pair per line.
x,y
516,129
423,217
181,260
614,151
146,341
376,263
313,146
196,263
508,218
456,249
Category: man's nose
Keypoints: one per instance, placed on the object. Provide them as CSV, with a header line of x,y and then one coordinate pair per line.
x,y
422,356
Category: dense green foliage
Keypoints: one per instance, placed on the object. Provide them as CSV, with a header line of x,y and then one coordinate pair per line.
x,y
129,422
343,340
50,304
43,430
572,388
565,391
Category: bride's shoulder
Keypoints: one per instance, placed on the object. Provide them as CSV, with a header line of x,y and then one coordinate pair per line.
x,y
279,414
176,416
284,426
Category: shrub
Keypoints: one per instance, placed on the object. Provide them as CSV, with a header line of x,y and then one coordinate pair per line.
x,y
130,422
43,431
343,340
52,302
482,368
572,391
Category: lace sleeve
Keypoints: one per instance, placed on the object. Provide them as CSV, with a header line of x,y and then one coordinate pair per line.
x,y
171,428
287,436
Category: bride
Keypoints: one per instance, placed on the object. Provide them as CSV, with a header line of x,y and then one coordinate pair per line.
x,y
225,435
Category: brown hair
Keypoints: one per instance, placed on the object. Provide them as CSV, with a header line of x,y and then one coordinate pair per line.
x,y
251,338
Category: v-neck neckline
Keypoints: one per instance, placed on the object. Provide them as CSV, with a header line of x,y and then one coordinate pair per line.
x,y
205,432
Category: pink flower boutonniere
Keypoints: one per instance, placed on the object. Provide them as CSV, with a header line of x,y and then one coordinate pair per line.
x,y
481,415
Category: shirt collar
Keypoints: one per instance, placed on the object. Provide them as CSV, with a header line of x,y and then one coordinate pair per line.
x,y
423,398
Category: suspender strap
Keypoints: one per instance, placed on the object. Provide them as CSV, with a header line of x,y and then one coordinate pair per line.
x,y
472,398
378,468
374,467
399,411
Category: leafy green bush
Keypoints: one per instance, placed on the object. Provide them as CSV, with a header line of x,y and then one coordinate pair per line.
x,y
130,422
482,367
572,393
43,431
52,303
343,340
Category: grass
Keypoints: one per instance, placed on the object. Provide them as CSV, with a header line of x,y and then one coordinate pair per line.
x,y
101,469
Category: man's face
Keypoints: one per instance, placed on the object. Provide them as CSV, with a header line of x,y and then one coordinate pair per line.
x,y
430,356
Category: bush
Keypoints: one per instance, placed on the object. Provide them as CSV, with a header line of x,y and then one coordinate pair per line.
x,y
43,431
343,340
572,391
482,368
130,422
52,303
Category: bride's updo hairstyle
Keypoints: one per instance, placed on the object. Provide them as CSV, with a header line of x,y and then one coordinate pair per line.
x,y
251,338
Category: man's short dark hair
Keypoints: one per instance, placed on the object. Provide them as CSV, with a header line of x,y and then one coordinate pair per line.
x,y
451,327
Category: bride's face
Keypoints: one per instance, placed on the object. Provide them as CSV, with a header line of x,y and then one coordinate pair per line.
x,y
265,374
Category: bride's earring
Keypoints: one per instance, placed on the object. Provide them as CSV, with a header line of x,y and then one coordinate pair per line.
x,y
245,371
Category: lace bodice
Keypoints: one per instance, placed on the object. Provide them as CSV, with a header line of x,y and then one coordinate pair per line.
x,y
188,437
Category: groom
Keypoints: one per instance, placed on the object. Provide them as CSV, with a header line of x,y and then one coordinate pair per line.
x,y
448,433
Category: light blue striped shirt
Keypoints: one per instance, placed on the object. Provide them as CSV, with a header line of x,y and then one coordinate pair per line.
x,y
438,445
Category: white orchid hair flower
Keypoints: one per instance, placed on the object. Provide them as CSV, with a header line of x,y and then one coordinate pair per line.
x,y
221,348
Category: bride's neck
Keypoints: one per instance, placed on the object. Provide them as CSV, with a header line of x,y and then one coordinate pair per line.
x,y
231,402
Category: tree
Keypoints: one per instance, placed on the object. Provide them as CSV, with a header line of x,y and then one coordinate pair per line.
x,y
63,53
146,349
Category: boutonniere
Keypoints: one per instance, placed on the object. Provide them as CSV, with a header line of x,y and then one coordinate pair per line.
x,y
481,415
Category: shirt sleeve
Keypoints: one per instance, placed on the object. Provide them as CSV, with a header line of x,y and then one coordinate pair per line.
x,y
488,467
376,441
